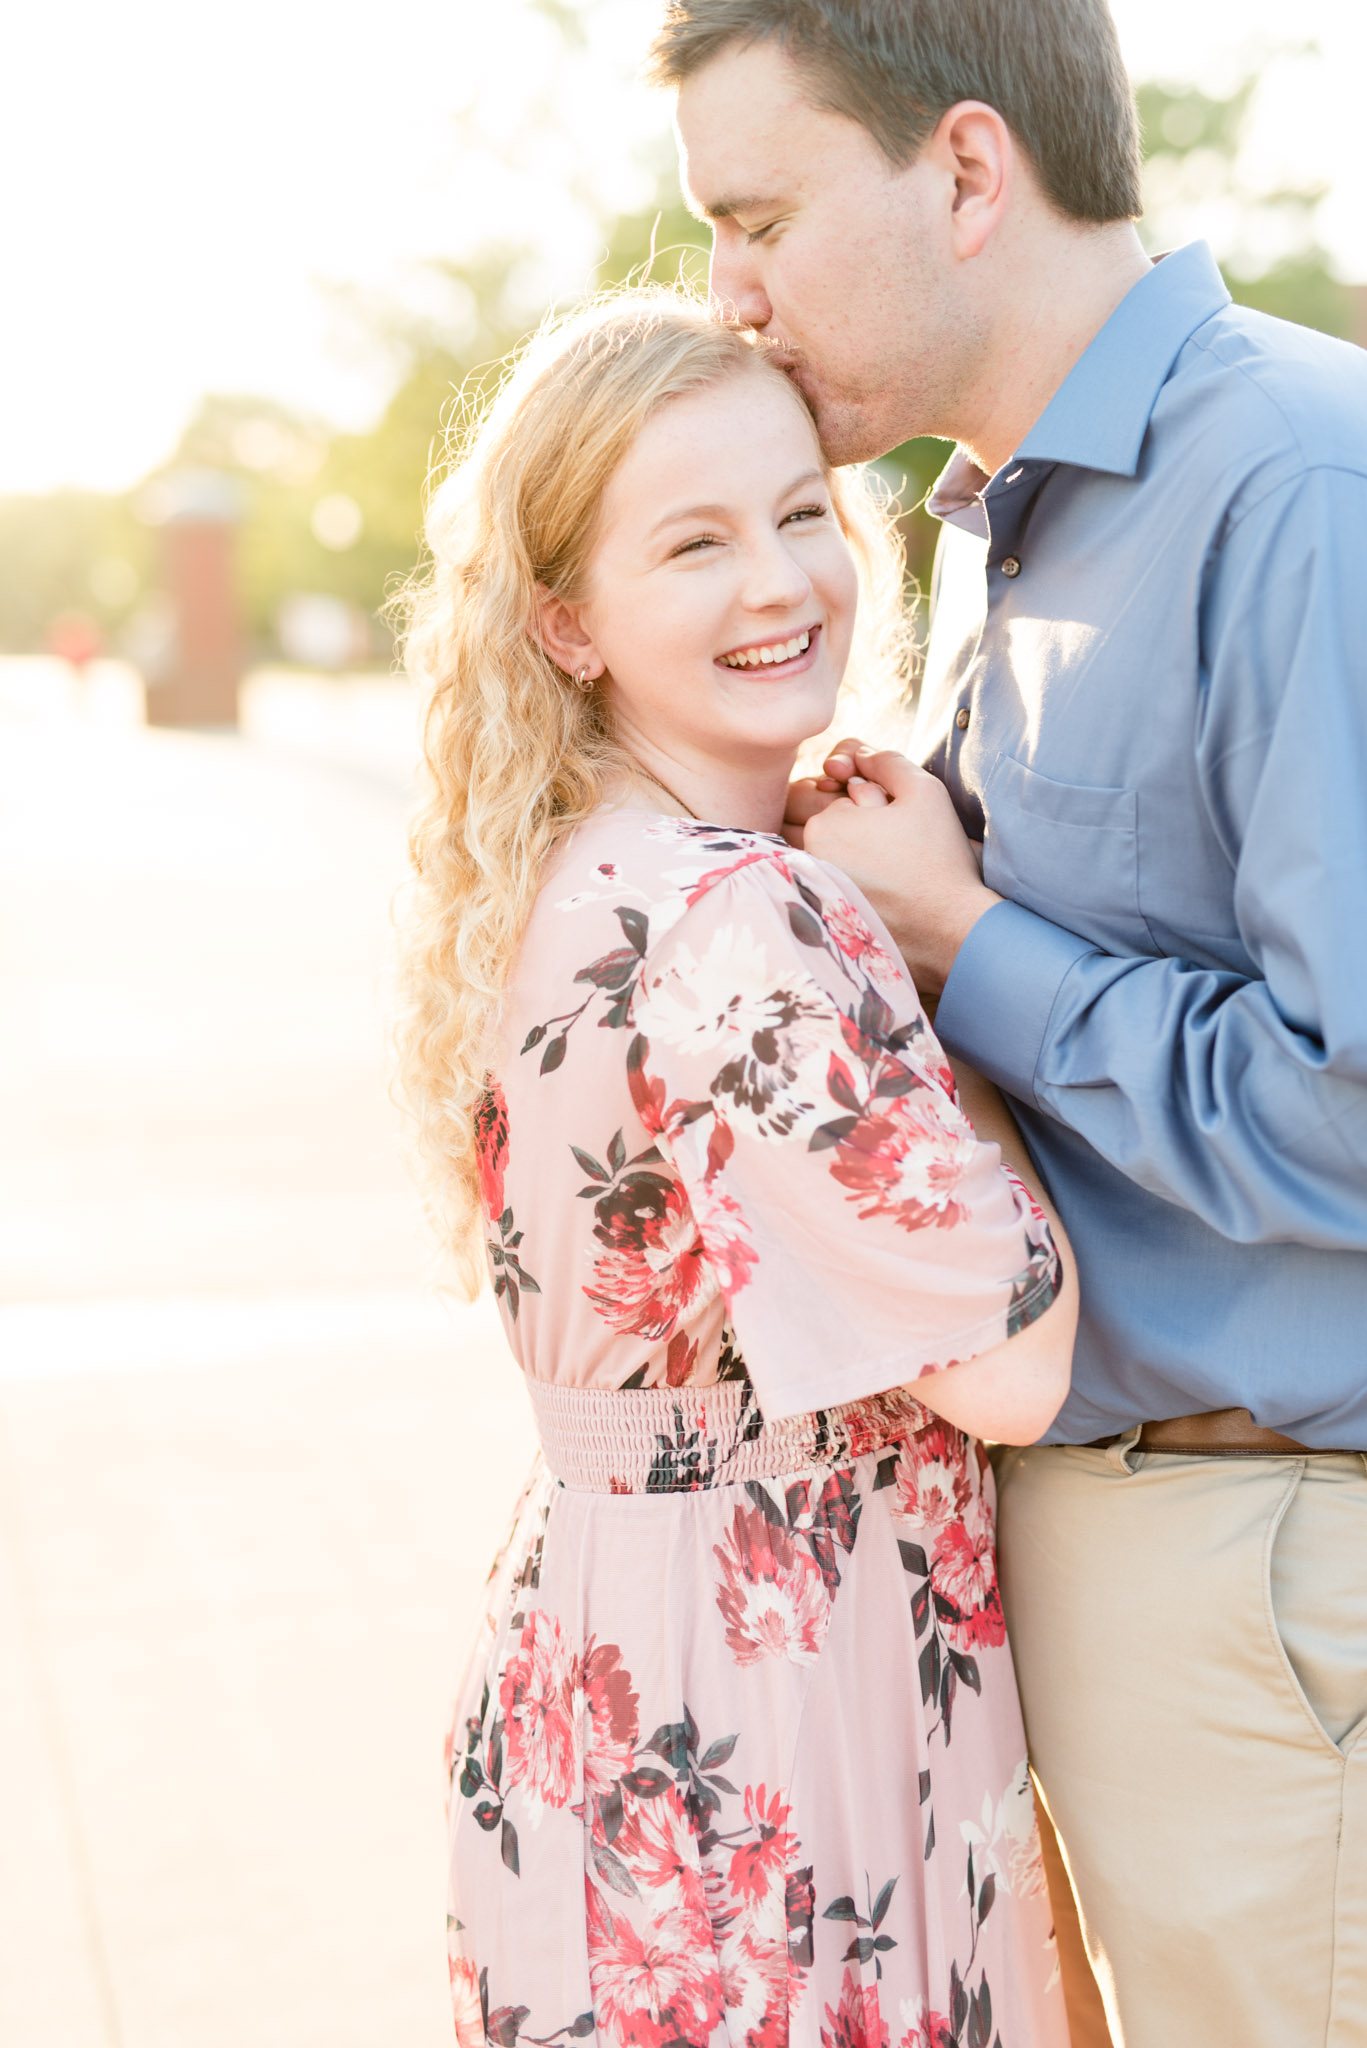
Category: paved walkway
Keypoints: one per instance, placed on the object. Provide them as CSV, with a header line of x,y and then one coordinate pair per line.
x,y
251,1468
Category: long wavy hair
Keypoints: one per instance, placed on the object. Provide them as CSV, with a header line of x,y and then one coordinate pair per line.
x,y
516,756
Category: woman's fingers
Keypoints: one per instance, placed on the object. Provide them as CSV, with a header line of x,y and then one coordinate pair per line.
x,y
867,795
839,763
807,798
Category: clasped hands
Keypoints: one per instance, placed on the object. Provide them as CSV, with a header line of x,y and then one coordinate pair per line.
x,y
893,829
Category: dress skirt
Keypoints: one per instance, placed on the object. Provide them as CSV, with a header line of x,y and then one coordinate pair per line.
x,y
739,1757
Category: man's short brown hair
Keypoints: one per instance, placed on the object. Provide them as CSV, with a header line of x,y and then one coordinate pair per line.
x,y
1051,68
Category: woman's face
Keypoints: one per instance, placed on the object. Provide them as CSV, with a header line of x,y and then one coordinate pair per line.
x,y
721,593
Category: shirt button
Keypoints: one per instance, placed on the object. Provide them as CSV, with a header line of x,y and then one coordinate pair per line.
x,y
961,717
1011,566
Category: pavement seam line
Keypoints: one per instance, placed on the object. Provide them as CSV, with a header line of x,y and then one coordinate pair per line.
x,y
54,1735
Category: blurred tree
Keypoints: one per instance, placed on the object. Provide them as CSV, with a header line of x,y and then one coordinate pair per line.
x,y
1197,182
73,554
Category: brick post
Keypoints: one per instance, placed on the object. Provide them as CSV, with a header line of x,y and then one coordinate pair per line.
x,y
195,680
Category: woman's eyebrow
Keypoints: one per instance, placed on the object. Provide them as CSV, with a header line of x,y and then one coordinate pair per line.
x,y
685,512
689,512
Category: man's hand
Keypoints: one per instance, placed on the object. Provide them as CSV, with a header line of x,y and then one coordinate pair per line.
x,y
894,831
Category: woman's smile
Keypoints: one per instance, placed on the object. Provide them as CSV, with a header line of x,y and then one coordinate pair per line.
x,y
785,656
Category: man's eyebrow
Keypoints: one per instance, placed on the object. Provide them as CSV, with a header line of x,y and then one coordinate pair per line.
x,y
727,208
685,512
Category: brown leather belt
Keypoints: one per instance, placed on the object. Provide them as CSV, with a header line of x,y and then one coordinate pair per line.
x,y
1223,1433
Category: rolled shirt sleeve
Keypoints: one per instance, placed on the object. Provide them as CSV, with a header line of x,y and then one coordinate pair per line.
x,y
1241,1097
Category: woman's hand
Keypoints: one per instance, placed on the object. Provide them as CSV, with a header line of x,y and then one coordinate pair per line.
x,y
812,794
912,860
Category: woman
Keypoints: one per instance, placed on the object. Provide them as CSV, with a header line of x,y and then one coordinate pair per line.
x,y
739,1757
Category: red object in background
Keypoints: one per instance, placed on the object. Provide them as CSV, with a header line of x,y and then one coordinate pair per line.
x,y
196,682
76,639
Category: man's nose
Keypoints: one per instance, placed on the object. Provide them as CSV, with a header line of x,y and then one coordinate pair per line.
x,y
735,289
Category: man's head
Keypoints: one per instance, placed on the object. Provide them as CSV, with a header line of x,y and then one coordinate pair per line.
x,y
880,173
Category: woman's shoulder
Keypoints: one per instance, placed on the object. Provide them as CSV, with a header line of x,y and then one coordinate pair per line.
x,y
660,865
641,876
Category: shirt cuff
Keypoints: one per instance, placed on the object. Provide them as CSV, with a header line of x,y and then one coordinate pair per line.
x,y
1001,992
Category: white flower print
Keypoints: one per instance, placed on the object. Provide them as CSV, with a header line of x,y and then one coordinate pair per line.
x,y
1005,1839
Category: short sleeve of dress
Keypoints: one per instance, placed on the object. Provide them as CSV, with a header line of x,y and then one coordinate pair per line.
x,y
862,1234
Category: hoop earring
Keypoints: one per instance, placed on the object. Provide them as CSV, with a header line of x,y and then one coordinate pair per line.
x,y
583,681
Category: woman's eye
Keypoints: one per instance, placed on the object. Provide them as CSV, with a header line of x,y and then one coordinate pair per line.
x,y
757,234
806,512
695,546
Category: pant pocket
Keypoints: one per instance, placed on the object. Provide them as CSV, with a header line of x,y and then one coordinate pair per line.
x,y
1317,1592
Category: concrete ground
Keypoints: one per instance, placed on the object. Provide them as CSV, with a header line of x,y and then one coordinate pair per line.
x,y
252,1470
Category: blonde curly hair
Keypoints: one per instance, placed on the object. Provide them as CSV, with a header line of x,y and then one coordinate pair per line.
x,y
515,755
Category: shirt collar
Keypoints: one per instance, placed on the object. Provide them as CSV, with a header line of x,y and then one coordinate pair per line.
x,y
1098,417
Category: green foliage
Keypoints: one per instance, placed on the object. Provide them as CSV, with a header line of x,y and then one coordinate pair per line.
x,y
666,245
71,553
911,471
1192,144
1303,289
1175,121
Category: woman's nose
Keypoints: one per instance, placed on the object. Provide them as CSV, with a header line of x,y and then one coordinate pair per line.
x,y
775,580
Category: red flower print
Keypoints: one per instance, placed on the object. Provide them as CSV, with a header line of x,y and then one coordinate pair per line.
x,y
465,2003
772,1596
610,1720
491,1148
655,1986
963,1571
654,1268
759,1868
907,1161
754,1979
857,2022
932,1476
658,1846
927,2030
726,1235
536,1694
715,876
857,942
680,1360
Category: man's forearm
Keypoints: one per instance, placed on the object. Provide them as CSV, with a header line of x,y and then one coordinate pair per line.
x,y
1186,1080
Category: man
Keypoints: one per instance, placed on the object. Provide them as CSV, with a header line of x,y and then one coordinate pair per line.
x,y
1146,693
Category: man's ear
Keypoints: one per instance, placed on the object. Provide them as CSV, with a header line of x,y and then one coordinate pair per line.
x,y
976,149
559,629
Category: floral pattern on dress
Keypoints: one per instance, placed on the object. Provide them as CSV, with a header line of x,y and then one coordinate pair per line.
x,y
738,1759
708,1912
511,1279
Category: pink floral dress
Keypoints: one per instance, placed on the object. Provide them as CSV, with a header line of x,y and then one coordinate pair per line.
x,y
739,1757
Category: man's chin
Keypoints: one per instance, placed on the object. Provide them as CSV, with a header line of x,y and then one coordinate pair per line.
x,y
847,434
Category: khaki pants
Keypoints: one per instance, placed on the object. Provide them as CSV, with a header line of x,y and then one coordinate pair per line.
x,y
1191,1640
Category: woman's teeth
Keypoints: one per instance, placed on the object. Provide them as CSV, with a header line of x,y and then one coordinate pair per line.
x,y
780,650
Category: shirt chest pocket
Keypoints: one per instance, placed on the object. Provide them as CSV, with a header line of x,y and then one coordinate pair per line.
x,y
1067,851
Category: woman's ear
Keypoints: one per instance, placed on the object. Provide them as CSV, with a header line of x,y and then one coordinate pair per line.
x,y
558,628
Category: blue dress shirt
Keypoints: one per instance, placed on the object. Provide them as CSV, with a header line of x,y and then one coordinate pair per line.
x,y
1146,688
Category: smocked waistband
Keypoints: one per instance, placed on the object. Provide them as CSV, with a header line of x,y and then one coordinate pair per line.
x,y
682,1439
